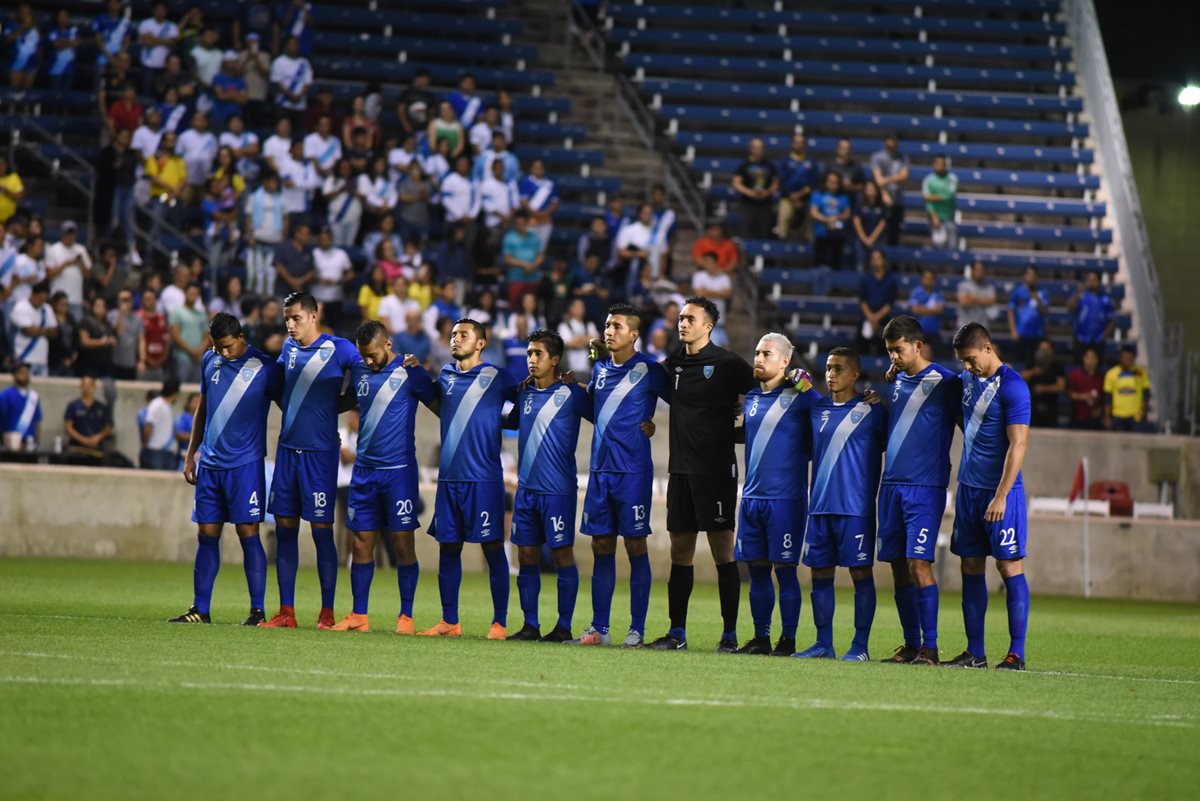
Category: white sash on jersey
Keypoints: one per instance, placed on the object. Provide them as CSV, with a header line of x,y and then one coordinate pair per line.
x,y
26,418
470,112
541,197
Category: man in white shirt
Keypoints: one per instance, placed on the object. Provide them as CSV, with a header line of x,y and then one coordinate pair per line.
x,y
244,144
67,266
712,283
333,272
145,144
394,309
158,433
265,225
322,147
197,146
175,296
291,75
498,198
460,197
254,64
27,269
207,57
300,179
33,322
400,157
633,246
278,147
157,36
576,333
480,135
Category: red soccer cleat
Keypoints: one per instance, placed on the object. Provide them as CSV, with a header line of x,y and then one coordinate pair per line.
x,y
325,619
285,618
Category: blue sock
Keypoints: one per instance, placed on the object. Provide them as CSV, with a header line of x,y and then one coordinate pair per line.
x,y
974,603
910,614
639,592
406,577
568,591
604,582
449,579
287,562
208,562
254,560
822,603
790,598
327,565
1017,594
360,585
529,587
498,577
864,611
762,599
927,603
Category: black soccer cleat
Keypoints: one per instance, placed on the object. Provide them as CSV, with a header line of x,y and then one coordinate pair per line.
x,y
255,617
965,660
926,656
727,647
527,633
192,615
759,645
667,643
558,634
904,655
785,647
1011,662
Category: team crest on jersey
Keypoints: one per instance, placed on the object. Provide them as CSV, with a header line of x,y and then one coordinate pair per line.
x,y
785,401
485,381
247,373
634,377
394,382
325,353
855,417
350,513
927,386
709,370
559,399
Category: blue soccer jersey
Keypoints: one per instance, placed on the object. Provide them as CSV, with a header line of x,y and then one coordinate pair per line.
x,y
471,406
989,406
387,408
549,425
778,443
237,397
314,378
623,397
924,410
847,451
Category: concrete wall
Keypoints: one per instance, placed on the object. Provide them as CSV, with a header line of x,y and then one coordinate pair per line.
x,y
109,514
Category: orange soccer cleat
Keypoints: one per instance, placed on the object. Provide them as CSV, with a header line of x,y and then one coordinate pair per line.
x,y
352,622
497,632
325,620
404,625
285,618
442,629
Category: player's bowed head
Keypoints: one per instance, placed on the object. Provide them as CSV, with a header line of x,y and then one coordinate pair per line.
x,y
301,317
905,342
228,341
374,345
974,348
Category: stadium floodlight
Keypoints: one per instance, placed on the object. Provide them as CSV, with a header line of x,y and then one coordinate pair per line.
x,y
1189,96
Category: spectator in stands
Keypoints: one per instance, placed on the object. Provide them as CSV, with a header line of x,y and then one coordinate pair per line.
x,y
1094,315
416,104
265,226
111,30
116,173
668,323
889,169
1027,308
111,274
591,284
69,267
480,134
539,196
437,164
378,194
294,20
1085,384
976,297
633,248
577,332
1046,385
525,309
358,119
255,19
125,113
28,267
20,411
446,305
245,147
926,303
254,65
168,181
939,190
34,323
97,339
197,146
189,335
293,263
498,151
88,425
229,299
414,194
157,36
523,255
292,76
555,293
174,76
504,107
112,80
597,240
372,293
156,338
183,425
373,245
499,202
869,221
174,296
798,179
230,92
713,283
420,288
830,210
206,59
413,338
24,40
400,154
460,200
1126,393
662,232
174,111
446,127
756,181
159,451
334,272
464,102
323,148
63,40
278,147
394,308
716,242
846,167
340,193
877,296
64,342
487,311
300,180
12,191
191,26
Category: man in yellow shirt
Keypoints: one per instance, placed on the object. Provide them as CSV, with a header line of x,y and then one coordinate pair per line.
x,y
11,191
1126,394
167,174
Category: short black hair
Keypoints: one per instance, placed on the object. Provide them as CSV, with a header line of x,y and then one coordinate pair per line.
x,y
40,288
626,310
370,331
848,354
480,329
709,307
224,324
903,327
551,339
170,388
971,335
303,299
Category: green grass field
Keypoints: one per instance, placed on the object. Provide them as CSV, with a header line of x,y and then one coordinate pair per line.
x,y
100,699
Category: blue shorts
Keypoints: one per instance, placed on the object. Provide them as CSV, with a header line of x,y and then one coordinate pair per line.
x,y
468,511
383,500
974,536
305,485
910,516
618,503
770,530
839,541
539,519
233,496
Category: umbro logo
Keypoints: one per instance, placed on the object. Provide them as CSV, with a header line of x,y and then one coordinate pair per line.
x,y
862,555
919,549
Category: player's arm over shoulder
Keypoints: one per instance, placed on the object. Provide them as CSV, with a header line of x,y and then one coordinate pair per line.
x,y
583,401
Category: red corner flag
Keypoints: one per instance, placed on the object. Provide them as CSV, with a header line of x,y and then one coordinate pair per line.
x,y
1077,485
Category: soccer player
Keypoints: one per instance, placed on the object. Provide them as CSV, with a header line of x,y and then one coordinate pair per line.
x,y
224,461
625,387
989,507
383,486
547,414
925,406
316,367
848,438
470,494
775,494
705,384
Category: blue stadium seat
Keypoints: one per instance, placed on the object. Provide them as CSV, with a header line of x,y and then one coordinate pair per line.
x,y
849,281
984,204
1019,231
578,184
558,156
395,72
542,131
405,48
773,251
